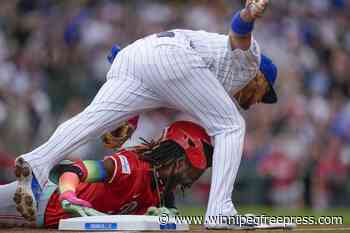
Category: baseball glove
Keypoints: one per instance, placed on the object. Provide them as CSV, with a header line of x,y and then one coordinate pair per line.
x,y
116,138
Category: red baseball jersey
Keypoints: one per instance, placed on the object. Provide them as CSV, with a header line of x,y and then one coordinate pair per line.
x,y
128,192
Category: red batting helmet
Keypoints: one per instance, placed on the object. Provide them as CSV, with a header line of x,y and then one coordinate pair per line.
x,y
192,138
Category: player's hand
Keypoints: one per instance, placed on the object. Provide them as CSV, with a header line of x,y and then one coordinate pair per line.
x,y
174,211
79,211
256,8
155,211
116,138
77,207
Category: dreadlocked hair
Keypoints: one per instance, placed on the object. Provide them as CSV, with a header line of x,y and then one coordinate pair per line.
x,y
160,153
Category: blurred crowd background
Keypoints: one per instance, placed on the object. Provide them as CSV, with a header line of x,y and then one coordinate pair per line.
x,y
297,153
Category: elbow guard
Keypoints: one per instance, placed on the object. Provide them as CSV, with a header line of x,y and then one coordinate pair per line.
x,y
88,170
62,167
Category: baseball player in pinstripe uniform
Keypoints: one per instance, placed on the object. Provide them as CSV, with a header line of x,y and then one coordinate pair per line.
x,y
195,72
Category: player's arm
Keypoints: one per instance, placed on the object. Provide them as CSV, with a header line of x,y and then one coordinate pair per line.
x,y
243,21
87,171
71,175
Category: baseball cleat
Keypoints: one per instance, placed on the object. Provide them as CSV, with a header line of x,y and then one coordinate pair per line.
x,y
28,190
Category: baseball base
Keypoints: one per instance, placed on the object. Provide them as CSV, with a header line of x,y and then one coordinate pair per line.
x,y
120,223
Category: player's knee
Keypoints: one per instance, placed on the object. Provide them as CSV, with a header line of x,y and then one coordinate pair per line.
x,y
242,123
233,124
237,123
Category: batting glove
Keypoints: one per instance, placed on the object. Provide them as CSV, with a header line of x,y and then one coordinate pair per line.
x,y
154,211
77,207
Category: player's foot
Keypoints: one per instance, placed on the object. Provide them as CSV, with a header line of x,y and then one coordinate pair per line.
x,y
28,190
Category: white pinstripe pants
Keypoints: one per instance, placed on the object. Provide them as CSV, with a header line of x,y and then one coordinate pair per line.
x,y
152,73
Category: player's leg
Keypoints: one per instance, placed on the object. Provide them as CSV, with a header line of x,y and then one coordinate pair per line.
x,y
188,84
117,100
45,217
9,216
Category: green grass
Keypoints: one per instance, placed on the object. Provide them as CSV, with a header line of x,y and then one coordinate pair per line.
x,y
259,210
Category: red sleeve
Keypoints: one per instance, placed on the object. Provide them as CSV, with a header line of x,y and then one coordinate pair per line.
x,y
123,166
134,121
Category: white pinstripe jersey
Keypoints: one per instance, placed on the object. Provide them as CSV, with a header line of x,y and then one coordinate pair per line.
x,y
234,69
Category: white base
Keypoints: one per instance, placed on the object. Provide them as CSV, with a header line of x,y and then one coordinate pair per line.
x,y
119,223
